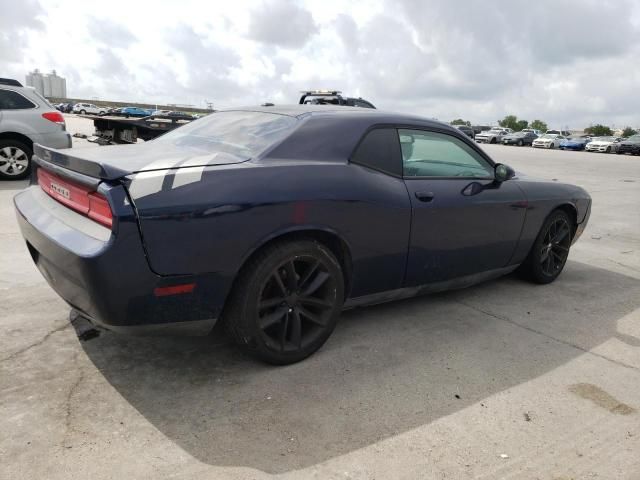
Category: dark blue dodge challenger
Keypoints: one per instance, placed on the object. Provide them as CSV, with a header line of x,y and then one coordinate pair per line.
x,y
274,219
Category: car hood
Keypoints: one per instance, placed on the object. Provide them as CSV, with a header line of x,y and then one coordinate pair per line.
x,y
116,161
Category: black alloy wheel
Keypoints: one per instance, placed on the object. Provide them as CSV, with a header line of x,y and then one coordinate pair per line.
x,y
550,251
287,302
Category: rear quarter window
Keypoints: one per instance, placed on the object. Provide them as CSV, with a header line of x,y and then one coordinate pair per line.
x,y
10,100
380,150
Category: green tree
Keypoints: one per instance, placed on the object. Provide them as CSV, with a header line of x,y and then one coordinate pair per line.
x,y
459,121
628,131
539,125
598,130
511,121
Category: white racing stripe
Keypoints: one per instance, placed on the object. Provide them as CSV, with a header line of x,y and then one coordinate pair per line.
x,y
146,183
185,176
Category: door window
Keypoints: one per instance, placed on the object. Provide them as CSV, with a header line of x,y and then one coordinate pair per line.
x,y
431,154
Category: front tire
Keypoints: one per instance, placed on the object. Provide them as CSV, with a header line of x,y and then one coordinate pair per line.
x,y
520,143
552,146
493,140
550,251
15,160
83,112
286,302
608,150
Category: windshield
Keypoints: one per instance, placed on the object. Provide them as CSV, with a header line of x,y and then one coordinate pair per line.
x,y
603,139
634,138
495,131
549,135
242,134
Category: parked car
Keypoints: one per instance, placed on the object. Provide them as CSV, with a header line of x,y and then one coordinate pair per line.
x,y
161,112
603,144
84,108
495,135
519,138
537,133
563,133
630,145
468,131
331,97
260,244
26,118
548,140
135,112
574,143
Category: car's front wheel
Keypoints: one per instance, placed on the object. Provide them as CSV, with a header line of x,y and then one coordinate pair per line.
x,y
15,160
83,112
550,250
286,301
520,143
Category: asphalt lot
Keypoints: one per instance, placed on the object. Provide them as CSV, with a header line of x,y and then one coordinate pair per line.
x,y
501,380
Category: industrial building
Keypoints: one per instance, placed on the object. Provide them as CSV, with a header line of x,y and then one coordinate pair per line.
x,y
48,84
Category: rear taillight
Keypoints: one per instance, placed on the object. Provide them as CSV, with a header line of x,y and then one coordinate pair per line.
x,y
80,198
55,117
99,209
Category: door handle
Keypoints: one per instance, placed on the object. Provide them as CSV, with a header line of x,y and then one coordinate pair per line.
x,y
424,196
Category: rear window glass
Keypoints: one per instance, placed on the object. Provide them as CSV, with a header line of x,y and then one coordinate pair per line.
x,y
10,100
241,134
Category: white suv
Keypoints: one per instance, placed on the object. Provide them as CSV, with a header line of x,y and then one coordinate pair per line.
x,y
26,118
84,108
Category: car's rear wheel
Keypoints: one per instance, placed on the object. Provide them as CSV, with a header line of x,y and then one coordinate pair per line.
x,y
286,302
15,160
550,250
493,140
552,146
520,143
83,112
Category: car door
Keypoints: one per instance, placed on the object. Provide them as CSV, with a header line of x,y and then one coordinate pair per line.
x,y
463,222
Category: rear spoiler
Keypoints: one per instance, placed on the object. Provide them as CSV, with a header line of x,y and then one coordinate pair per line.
x,y
69,161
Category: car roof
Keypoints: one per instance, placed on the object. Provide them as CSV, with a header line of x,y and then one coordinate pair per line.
x,y
373,115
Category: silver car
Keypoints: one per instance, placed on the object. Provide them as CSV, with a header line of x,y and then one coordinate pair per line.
x,y
26,118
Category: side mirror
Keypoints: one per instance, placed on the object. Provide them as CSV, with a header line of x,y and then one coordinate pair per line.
x,y
503,172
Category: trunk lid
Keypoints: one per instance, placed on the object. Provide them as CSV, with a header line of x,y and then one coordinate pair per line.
x,y
113,162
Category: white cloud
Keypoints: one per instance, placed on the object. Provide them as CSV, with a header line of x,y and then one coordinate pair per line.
x,y
569,62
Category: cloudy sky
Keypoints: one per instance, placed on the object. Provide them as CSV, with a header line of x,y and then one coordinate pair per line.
x,y
569,62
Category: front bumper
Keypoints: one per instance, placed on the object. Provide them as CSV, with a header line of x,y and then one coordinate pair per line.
x,y
105,275
599,149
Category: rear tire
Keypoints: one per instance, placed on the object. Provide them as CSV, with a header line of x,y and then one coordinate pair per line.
x,y
520,143
493,140
15,160
83,112
286,302
550,251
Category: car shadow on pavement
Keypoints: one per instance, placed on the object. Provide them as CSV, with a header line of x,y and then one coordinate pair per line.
x,y
386,369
